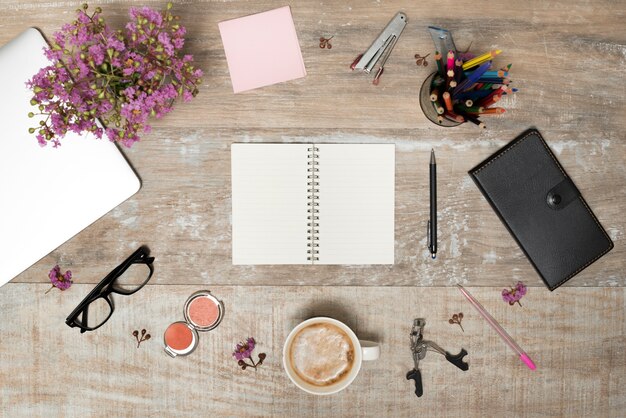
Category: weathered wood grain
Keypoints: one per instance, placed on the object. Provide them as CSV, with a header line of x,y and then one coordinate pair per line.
x,y
183,214
575,336
568,60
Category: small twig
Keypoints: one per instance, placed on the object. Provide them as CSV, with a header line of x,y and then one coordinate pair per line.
x,y
456,319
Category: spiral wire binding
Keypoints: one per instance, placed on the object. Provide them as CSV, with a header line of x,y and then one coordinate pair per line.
x,y
313,204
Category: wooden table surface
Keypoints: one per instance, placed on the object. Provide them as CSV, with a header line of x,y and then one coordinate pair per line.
x,y
568,58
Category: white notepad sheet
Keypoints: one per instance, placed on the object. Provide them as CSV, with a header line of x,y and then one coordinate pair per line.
x,y
270,196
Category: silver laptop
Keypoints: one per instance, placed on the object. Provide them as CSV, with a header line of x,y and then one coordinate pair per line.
x,y
47,195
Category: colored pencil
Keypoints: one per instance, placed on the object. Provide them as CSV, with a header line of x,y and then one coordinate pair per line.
x,y
493,111
473,95
470,109
492,93
447,100
434,95
495,80
439,61
476,121
472,78
454,117
458,73
450,66
438,81
493,99
487,56
438,108
491,74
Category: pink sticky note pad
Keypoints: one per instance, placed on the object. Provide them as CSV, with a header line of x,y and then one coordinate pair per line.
x,y
262,49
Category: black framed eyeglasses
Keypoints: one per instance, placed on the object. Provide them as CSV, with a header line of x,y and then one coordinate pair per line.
x,y
125,279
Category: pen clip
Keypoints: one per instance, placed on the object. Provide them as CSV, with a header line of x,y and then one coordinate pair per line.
x,y
428,243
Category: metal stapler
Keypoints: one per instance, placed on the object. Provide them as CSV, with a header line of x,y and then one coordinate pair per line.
x,y
381,47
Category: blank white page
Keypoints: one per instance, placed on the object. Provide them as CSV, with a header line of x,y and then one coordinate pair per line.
x,y
269,196
356,203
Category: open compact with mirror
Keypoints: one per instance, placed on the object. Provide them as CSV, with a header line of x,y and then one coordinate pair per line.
x,y
202,312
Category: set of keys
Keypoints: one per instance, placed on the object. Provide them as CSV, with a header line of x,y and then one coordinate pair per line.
x,y
419,348
381,48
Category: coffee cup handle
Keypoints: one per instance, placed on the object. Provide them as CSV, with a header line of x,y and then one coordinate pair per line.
x,y
370,350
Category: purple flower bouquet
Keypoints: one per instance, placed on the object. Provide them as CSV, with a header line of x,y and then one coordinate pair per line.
x,y
120,77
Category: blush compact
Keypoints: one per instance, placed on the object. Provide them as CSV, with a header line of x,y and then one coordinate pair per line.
x,y
203,312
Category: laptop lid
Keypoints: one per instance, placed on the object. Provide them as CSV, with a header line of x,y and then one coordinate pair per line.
x,y
47,195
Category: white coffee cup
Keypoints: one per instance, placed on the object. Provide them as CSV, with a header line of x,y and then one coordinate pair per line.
x,y
363,351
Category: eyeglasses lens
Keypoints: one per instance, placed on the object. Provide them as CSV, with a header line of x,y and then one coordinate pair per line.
x,y
132,279
96,313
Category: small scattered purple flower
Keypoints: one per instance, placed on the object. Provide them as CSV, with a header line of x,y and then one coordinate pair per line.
x,y
58,280
514,294
243,351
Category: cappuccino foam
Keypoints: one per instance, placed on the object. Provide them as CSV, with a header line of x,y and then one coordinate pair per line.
x,y
322,354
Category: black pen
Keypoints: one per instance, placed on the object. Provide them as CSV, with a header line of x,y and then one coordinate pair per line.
x,y
432,223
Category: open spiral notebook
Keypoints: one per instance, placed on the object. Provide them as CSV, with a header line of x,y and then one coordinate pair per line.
x,y
313,203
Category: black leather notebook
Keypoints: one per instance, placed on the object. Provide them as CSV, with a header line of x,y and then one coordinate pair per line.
x,y
542,208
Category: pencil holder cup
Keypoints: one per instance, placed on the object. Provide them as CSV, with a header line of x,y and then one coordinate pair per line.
x,y
428,106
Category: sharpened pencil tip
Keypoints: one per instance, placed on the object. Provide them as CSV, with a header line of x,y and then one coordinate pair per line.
x,y
432,156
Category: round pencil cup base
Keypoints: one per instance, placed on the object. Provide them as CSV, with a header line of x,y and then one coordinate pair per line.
x,y
427,105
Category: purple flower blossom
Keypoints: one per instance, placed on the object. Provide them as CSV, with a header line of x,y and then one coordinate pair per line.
x,y
97,53
58,280
515,294
121,78
244,350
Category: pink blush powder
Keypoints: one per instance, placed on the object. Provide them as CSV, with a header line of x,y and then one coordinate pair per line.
x,y
178,336
203,312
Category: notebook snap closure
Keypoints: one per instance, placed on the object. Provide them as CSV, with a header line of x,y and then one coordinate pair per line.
x,y
555,199
562,194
